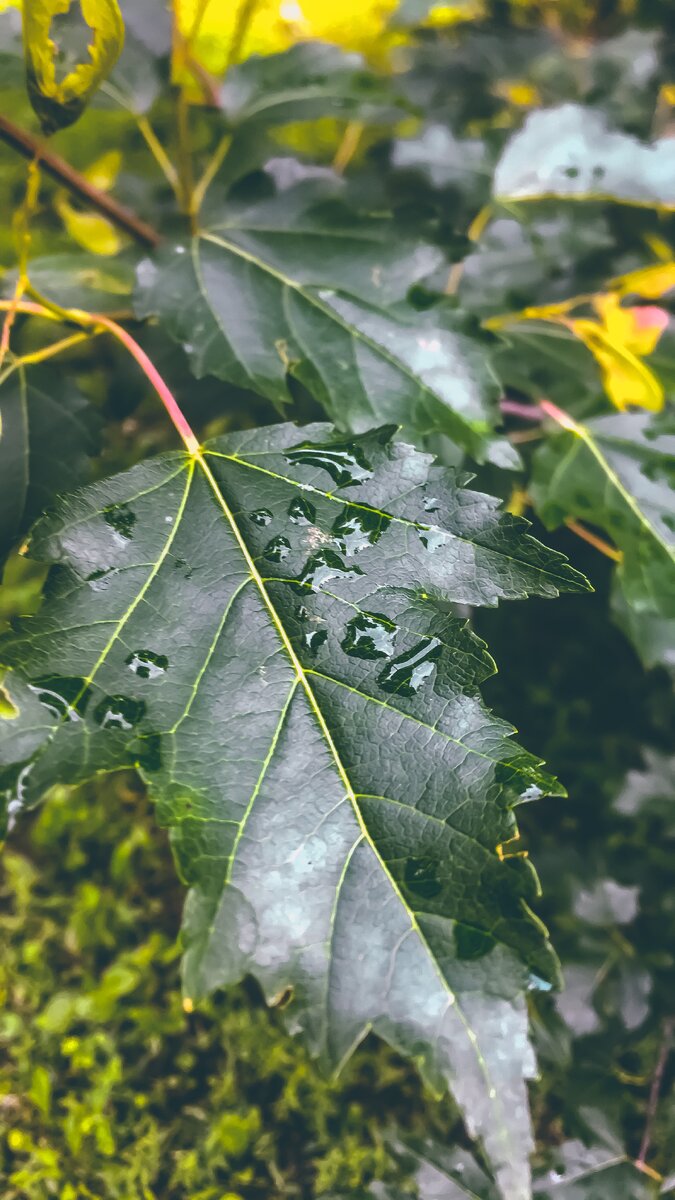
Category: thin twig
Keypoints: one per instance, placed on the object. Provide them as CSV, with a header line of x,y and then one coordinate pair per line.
x,y
97,322
159,154
527,412
599,543
655,1090
29,146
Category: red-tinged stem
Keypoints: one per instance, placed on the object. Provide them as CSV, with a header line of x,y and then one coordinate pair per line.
x,y
559,416
527,412
99,321
189,438
657,1080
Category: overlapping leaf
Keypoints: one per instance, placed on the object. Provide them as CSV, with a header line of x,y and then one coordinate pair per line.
x,y
578,1173
307,81
571,152
47,430
297,288
617,473
267,632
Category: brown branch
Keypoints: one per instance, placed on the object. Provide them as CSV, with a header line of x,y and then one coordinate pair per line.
x,y
30,147
655,1090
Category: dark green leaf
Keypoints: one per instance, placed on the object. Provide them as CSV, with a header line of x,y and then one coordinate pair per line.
x,y
266,634
294,288
308,81
47,430
619,476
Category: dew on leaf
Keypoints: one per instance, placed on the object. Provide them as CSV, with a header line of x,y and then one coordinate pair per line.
x,y
356,529
369,635
405,674
301,512
346,464
146,664
472,943
432,538
314,639
120,518
421,877
119,712
536,984
260,516
149,757
62,695
278,549
322,566
302,613
431,504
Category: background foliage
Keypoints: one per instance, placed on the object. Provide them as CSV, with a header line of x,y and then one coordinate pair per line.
x,y
108,1088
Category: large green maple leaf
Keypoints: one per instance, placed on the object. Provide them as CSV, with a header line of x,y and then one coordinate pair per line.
x,y
267,631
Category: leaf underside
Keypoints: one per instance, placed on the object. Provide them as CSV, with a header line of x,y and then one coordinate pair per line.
x,y
267,633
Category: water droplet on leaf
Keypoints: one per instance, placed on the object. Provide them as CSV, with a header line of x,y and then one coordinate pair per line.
x,y
322,566
301,512
314,639
472,943
261,516
421,877
146,664
369,635
405,674
357,528
119,712
278,549
431,504
346,464
62,695
121,519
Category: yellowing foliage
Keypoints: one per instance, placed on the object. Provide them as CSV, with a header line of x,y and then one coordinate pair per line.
x,y
619,341
218,34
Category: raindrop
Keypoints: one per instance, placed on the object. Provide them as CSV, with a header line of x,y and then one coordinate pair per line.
x,y
537,984
314,639
431,504
302,613
432,537
121,519
150,756
405,674
322,566
355,529
472,943
421,877
62,695
146,664
369,635
99,580
119,712
278,549
261,516
301,511
346,464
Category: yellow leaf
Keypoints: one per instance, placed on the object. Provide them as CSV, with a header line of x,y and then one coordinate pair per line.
x,y
59,102
650,282
270,26
90,230
104,171
635,329
627,381
518,92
